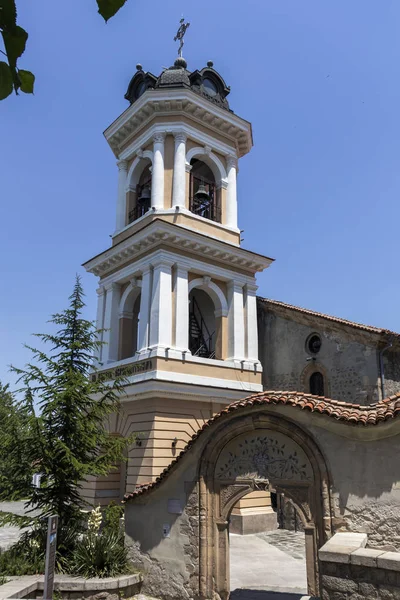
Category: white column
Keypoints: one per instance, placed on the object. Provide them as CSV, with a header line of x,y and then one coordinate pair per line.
x,y
235,321
144,318
231,218
101,295
121,201
161,306
111,323
157,176
179,180
251,322
182,310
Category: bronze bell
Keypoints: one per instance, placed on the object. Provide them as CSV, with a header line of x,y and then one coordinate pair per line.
x,y
145,195
202,195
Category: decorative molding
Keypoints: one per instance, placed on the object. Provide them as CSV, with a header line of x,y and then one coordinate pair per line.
x,y
122,165
159,232
159,137
213,290
264,456
231,492
187,103
210,159
180,136
231,161
101,290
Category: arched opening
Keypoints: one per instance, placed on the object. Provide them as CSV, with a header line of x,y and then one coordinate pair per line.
x,y
259,452
202,324
316,383
139,200
129,327
204,198
269,561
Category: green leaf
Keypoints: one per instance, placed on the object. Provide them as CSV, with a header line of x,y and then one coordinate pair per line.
x,y
108,8
27,80
14,42
6,82
8,14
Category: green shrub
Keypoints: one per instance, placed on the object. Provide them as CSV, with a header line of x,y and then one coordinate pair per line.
x,y
100,555
23,558
112,515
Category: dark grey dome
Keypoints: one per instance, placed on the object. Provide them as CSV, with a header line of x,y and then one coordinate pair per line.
x,y
207,83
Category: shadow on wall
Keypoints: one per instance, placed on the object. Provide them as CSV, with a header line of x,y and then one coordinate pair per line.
x,y
244,594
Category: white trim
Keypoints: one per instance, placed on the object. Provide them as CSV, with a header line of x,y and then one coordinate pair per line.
x,y
198,380
215,293
162,102
136,162
130,294
171,128
159,232
211,160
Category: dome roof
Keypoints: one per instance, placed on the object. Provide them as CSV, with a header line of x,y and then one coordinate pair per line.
x,y
207,83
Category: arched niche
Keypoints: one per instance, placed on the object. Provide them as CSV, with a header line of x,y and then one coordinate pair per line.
x,y
129,315
139,175
208,157
259,452
214,324
307,373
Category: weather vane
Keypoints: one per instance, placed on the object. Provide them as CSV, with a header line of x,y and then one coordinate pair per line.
x,y
180,34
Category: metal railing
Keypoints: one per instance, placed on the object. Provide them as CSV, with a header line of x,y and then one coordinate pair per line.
x,y
200,338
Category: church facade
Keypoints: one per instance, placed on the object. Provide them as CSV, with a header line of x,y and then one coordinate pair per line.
x,y
177,301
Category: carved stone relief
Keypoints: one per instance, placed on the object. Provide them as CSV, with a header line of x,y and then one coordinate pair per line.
x,y
264,454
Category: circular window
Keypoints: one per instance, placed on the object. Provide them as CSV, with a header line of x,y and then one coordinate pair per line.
x,y
209,87
314,343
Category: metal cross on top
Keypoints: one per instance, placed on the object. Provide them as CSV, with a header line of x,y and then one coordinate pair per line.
x,y
180,34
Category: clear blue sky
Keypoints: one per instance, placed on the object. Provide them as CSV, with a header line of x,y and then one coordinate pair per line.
x,y
319,192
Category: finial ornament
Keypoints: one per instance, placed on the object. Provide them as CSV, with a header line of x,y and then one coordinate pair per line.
x,y
180,34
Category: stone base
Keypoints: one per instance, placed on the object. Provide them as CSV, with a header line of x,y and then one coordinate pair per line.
x,y
253,522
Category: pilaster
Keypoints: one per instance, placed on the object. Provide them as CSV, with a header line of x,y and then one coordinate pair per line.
x,y
251,322
179,178
231,218
161,306
121,201
111,323
235,321
144,321
101,296
182,310
157,176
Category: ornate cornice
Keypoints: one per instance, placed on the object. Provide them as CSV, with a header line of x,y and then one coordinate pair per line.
x,y
162,233
184,103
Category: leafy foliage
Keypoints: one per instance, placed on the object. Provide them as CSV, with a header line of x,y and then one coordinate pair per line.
x,y
15,38
112,515
14,433
100,555
108,8
68,441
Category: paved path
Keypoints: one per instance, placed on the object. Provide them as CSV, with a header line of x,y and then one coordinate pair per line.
x,y
268,566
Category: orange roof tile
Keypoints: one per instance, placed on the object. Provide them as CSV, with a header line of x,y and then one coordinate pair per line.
x,y
353,414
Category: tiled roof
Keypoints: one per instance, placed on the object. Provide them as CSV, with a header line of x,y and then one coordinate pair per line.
x,y
353,414
313,313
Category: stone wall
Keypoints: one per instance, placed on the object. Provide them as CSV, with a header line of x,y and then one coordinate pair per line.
x,y
349,359
391,364
349,571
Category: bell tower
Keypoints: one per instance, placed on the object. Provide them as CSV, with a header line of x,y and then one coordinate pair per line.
x,y
177,292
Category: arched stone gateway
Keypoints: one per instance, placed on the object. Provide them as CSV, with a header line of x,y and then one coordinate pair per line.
x,y
253,453
324,458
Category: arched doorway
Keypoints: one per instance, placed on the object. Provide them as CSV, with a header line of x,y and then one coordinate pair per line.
x,y
260,452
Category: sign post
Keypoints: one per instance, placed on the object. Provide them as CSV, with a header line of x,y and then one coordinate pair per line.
x,y
50,557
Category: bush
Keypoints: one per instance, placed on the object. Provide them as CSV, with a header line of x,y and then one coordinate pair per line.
x,y
100,555
112,515
23,558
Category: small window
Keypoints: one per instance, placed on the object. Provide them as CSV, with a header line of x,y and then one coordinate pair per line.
x,y
210,87
313,344
317,384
